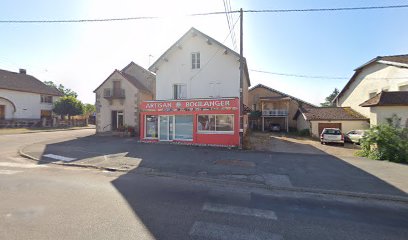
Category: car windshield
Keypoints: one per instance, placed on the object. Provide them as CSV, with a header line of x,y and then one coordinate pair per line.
x,y
332,132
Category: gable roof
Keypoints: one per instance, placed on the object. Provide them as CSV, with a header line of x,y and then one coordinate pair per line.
x,y
25,83
279,92
329,113
399,98
394,60
192,31
134,81
140,67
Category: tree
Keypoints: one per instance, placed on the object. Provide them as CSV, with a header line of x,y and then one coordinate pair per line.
x,y
68,106
329,100
62,89
89,109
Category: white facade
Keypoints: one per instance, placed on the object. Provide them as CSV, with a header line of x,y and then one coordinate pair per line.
x,y
372,79
379,114
27,105
217,76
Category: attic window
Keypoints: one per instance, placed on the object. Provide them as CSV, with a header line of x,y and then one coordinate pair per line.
x,y
195,60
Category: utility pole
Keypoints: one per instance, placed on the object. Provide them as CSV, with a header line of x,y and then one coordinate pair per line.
x,y
241,82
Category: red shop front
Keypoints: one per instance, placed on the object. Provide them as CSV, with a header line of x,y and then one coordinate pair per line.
x,y
191,121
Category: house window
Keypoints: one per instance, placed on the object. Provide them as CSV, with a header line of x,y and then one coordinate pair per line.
x,y
195,60
216,123
403,87
179,91
46,99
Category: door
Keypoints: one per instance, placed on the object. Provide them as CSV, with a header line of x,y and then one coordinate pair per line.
x,y
166,128
114,120
120,119
2,112
328,125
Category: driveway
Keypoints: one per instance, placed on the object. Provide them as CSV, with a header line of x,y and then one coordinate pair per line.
x,y
275,142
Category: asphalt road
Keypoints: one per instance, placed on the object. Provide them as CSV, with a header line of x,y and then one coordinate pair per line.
x,y
54,202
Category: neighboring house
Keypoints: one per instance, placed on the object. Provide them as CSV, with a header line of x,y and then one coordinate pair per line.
x,y
385,105
366,90
118,98
25,98
197,92
315,119
274,107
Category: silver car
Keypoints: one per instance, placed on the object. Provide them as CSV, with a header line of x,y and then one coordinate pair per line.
x,y
332,135
355,136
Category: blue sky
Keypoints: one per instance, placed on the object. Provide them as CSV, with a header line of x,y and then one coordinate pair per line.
x,y
81,56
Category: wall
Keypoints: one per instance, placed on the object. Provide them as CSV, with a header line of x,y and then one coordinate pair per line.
x,y
368,81
301,123
28,105
218,75
378,115
129,105
345,125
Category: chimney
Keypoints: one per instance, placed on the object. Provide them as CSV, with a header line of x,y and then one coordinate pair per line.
x,y
23,71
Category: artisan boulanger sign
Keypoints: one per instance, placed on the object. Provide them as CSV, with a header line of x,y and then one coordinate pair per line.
x,y
190,104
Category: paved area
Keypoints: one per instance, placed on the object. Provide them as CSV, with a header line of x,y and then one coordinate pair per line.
x,y
47,201
56,202
273,169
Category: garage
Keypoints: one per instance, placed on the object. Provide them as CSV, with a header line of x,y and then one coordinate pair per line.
x,y
316,119
321,126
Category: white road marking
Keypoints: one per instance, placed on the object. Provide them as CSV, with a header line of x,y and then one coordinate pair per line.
x,y
58,157
224,232
19,165
223,208
8,172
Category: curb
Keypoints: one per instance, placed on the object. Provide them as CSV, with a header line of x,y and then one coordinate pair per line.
x,y
368,196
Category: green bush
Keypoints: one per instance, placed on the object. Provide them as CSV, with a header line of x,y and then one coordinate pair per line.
x,y
385,142
304,132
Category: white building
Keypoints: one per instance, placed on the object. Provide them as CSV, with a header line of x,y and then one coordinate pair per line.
x,y
197,93
119,96
24,97
378,89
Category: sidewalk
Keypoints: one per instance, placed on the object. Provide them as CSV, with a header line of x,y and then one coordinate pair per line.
x,y
9,131
275,170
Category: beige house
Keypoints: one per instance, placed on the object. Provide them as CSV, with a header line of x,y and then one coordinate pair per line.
x,y
316,119
118,98
375,89
274,107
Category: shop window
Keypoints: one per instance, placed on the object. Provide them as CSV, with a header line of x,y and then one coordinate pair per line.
x,y
216,123
184,127
179,91
195,60
46,99
151,126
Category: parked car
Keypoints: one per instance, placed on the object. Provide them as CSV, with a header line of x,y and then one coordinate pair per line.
x,y
274,127
354,136
332,135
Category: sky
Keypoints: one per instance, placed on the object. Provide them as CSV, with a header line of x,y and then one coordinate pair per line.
x,y
81,56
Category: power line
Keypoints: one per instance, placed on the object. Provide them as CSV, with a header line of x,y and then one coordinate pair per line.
x,y
316,76
207,14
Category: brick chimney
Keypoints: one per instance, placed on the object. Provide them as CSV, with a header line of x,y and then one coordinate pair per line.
x,y
22,71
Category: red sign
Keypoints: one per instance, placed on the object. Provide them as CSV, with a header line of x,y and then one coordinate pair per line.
x,y
192,104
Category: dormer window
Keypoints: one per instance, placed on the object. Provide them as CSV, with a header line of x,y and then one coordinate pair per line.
x,y
195,60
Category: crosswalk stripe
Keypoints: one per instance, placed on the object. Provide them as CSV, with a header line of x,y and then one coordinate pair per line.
x,y
224,232
223,208
8,172
19,165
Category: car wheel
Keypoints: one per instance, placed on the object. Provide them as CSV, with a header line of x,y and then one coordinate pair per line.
x,y
321,142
